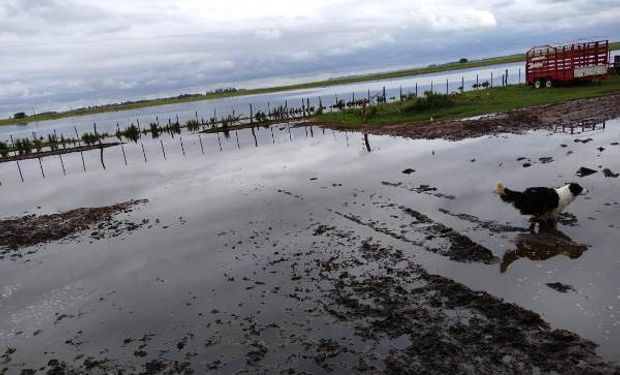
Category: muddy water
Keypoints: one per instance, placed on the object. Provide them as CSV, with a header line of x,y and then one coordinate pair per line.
x,y
191,284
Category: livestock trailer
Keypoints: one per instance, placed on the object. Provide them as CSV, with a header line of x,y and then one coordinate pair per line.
x,y
583,61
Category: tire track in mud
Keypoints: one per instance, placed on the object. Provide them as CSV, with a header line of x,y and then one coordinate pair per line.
x,y
489,225
433,325
420,189
435,237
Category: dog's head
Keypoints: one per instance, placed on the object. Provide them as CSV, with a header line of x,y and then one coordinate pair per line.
x,y
575,189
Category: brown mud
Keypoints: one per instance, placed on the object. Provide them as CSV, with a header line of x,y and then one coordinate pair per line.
x,y
452,329
30,230
381,313
514,121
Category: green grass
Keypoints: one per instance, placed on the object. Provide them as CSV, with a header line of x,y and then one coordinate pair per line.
x,y
325,83
474,103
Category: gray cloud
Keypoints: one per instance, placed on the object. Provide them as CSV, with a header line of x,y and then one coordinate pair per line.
x,y
64,53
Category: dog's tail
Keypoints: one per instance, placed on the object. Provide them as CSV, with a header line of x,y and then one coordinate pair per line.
x,y
506,194
500,188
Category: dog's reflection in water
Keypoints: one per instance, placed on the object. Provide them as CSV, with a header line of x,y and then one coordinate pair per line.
x,y
542,244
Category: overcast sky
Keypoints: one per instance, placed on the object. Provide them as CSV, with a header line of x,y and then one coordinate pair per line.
x,y
57,54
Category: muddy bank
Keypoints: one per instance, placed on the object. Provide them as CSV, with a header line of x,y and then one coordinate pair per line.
x,y
448,327
61,151
514,121
347,305
30,230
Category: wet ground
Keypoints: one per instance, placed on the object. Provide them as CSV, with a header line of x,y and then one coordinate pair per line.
x,y
576,114
309,250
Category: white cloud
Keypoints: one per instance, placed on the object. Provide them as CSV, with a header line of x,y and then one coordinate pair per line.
x,y
455,18
268,34
68,49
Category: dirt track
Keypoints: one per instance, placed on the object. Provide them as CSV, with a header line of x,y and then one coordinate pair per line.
x,y
514,121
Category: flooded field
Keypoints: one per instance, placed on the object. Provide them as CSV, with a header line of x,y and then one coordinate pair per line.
x,y
261,102
288,249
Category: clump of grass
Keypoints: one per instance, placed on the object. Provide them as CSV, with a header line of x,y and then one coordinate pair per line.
x,y
192,125
470,103
429,102
261,117
4,149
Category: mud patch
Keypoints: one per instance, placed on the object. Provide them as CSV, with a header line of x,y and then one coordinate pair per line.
x,y
434,237
609,173
450,329
514,121
30,230
562,288
489,225
420,189
584,172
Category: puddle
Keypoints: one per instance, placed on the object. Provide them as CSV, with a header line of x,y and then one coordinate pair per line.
x,y
224,281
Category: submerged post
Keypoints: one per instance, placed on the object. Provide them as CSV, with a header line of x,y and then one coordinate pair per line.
x,y
17,161
251,118
491,79
77,136
83,162
20,171
41,165
201,147
62,164
447,89
163,151
124,155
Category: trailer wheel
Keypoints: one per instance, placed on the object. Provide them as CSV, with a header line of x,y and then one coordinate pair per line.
x,y
548,84
537,84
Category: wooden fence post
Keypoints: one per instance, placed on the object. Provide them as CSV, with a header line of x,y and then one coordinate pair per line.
x,y
163,151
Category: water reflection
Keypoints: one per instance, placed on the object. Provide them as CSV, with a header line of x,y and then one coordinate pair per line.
x,y
149,149
542,244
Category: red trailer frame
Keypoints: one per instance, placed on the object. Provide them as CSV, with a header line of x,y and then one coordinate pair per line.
x,y
584,61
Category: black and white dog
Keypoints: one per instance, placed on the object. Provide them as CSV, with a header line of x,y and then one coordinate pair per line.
x,y
542,203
